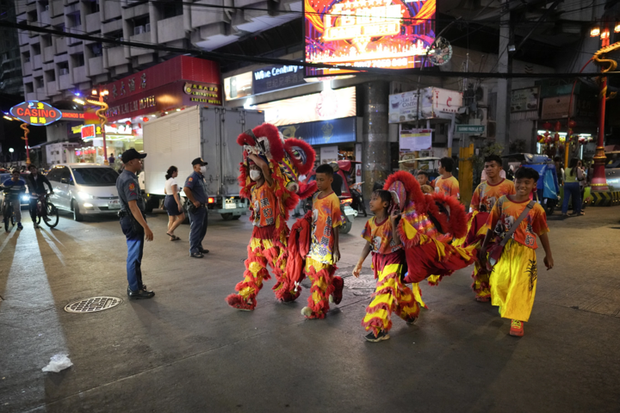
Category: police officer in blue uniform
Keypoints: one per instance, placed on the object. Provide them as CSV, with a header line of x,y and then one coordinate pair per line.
x,y
133,221
196,191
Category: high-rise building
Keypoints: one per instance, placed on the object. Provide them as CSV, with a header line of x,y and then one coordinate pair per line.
x,y
10,65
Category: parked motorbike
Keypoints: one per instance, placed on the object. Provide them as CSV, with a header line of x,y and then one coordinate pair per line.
x,y
358,203
348,212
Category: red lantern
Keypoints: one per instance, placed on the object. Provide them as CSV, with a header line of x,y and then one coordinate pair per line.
x,y
558,126
145,119
547,140
546,126
128,123
572,124
113,125
556,137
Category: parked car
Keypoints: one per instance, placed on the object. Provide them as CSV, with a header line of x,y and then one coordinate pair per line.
x,y
84,189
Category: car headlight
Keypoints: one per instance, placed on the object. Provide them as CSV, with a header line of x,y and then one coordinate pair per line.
x,y
84,195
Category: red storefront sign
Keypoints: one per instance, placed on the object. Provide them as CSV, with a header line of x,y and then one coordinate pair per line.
x,y
181,81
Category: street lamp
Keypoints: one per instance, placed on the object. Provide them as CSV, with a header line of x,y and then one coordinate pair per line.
x,y
101,113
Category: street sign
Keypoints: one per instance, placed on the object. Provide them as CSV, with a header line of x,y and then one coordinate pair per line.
x,y
36,113
470,129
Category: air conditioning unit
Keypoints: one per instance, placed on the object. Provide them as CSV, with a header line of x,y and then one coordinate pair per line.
x,y
482,96
138,30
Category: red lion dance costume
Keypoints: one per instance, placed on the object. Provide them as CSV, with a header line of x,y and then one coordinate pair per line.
x,y
287,159
427,226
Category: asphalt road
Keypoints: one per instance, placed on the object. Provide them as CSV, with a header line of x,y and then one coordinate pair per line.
x,y
187,351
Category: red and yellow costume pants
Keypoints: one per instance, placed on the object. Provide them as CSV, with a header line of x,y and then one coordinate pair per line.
x,y
391,294
513,281
322,276
260,253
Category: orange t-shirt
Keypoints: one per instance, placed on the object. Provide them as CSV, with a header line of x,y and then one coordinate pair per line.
x,y
486,195
263,206
505,213
448,186
326,216
380,236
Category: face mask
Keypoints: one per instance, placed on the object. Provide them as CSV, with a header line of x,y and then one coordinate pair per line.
x,y
203,170
255,175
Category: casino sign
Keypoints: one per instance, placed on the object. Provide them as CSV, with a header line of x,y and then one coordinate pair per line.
x,y
36,113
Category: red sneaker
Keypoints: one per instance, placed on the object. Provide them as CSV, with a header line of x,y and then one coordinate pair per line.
x,y
516,328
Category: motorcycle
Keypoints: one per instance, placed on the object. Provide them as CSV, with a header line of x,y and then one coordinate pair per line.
x,y
348,212
358,203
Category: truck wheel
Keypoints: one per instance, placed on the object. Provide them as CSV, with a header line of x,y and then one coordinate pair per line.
x,y
77,215
230,217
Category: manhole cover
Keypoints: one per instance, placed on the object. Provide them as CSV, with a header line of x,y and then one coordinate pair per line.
x,y
93,304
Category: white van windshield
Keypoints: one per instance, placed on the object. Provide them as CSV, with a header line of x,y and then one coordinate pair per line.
x,y
95,176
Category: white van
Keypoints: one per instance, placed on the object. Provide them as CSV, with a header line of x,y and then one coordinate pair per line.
x,y
84,189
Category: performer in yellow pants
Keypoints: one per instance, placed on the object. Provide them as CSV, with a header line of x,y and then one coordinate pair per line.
x,y
391,295
322,277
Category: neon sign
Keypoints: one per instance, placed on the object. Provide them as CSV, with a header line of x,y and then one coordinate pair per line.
x,y
393,34
36,113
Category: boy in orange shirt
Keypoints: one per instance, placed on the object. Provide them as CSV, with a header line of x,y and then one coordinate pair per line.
x,y
514,276
482,202
447,184
324,250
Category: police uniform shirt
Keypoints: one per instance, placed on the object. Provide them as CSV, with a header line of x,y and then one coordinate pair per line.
x,y
128,189
196,182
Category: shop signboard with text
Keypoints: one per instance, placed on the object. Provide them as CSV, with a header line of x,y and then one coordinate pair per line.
x,y
277,77
327,105
323,133
362,34
413,140
36,113
430,103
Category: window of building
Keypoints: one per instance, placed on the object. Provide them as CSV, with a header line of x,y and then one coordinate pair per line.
x,y
74,19
26,57
38,82
95,49
63,68
45,6
141,25
50,75
36,49
46,40
77,60
91,6
32,16
29,87
171,9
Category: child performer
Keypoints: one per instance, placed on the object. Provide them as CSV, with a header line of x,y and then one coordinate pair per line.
x,y
482,202
265,246
447,184
513,279
324,249
390,265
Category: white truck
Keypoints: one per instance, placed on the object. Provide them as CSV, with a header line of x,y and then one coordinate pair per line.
x,y
208,132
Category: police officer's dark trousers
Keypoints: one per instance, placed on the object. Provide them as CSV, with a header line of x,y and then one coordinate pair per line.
x,y
198,220
135,246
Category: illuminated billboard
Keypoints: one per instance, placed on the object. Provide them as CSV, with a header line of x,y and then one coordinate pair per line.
x,y
389,34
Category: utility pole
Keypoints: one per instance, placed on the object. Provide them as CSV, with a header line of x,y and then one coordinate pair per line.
x,y
504,86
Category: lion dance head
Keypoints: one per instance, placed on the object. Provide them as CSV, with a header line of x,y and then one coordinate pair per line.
x,y
288,158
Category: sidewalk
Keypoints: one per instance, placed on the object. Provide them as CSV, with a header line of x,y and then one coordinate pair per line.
x,y
187,351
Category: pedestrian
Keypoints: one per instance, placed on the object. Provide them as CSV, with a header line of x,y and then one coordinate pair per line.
x,y
13,190
572,175
389,265
583,181
172,202
516,220
337,179
324,247
133,221
36,187
422,177
265,246
111,159
196,191
447,184
482,202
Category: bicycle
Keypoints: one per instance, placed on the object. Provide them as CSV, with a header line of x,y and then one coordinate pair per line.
x,y
47,211
7,212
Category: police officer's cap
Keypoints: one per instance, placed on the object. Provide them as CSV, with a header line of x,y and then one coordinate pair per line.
x,y
131,154
199,161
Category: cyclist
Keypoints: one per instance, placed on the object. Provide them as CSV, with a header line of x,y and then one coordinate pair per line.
x,y
13,189
36,185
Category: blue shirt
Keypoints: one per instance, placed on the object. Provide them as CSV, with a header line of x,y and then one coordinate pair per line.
x,y
17,187
196,182
128,189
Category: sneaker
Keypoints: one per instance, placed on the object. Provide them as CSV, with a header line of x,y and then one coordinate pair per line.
x,y
203,251
196,255
516,328
140,293
20,226
383,335
306,311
